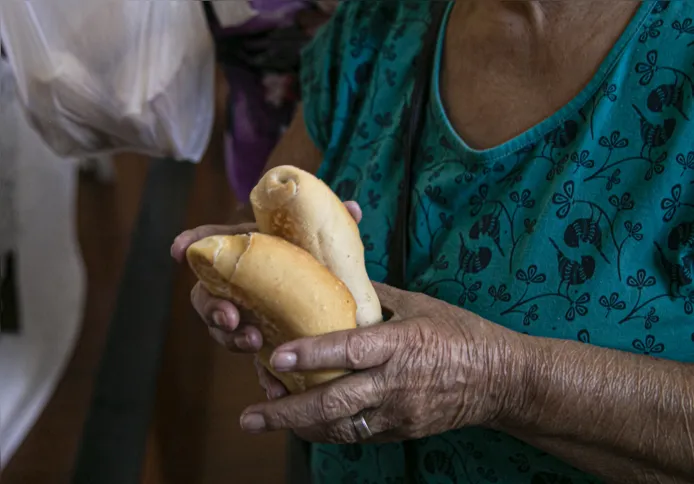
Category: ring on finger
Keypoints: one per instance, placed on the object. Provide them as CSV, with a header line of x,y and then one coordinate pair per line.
x,y
361,427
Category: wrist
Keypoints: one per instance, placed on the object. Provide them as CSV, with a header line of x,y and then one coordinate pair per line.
x,y
518,377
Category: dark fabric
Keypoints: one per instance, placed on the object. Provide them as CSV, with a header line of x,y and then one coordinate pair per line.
x,y
416,117
9,295
114,437
298,460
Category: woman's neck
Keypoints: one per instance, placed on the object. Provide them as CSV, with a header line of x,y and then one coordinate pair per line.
x,y
539,15
540,32
506,66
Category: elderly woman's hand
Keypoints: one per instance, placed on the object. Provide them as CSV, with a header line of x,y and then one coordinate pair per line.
x,y
433,368
226,323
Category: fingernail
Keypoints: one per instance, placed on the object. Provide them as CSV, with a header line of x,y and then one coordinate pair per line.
x,y
219,319
274,395
253,422
242,342
283,361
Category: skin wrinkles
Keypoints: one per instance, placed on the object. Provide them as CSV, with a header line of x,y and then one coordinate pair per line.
x,y
686,406
648,432
358,348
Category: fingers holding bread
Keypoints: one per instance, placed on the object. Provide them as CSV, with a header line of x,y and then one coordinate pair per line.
x,y
302,275
185,239
354,210
272,386
227,325
217,313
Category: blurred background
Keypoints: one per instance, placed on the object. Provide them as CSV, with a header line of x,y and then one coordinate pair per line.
x,y
106,373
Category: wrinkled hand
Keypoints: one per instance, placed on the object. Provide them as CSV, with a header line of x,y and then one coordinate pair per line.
x,y
228,325
433,368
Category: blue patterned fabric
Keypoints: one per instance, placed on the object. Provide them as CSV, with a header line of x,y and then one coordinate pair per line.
x,y
581,228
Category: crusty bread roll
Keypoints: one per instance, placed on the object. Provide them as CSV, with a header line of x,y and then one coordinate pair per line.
x,y
292,295
296,206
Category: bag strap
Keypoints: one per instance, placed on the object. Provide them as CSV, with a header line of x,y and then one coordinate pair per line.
x,y
400,236
212,19
417,115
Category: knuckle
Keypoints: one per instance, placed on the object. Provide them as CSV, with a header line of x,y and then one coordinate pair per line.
x,y
414,431
331,405
275,420
281,417
355,350
380,382
358,347
415,415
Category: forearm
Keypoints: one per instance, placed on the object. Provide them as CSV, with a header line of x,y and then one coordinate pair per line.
x,y
599,402
608,466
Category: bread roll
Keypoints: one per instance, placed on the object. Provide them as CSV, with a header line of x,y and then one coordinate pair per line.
x,y
292,295
296,206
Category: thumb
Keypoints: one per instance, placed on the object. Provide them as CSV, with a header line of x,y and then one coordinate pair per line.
x,y
394,302
354,210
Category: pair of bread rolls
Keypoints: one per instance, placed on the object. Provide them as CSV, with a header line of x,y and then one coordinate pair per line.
x,y
303,275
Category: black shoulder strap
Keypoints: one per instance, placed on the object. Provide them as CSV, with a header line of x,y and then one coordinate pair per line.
x,y
400,236
211,16
417,115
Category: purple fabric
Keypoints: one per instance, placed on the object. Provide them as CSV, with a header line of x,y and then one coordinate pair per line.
x,y
254,127
272,14
262,79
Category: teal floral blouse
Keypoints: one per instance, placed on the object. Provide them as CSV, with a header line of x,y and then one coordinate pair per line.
x,y
581,228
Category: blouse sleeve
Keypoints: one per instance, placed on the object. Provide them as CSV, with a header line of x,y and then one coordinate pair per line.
x,y
320,65
362,58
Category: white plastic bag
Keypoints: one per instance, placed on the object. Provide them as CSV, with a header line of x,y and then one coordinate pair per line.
x,y
113,75
49,270
234,13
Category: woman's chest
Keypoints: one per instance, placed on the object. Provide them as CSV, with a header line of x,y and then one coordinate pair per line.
x,y
552,255
583,235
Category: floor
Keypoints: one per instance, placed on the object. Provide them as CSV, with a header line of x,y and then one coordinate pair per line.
x,y
194,435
